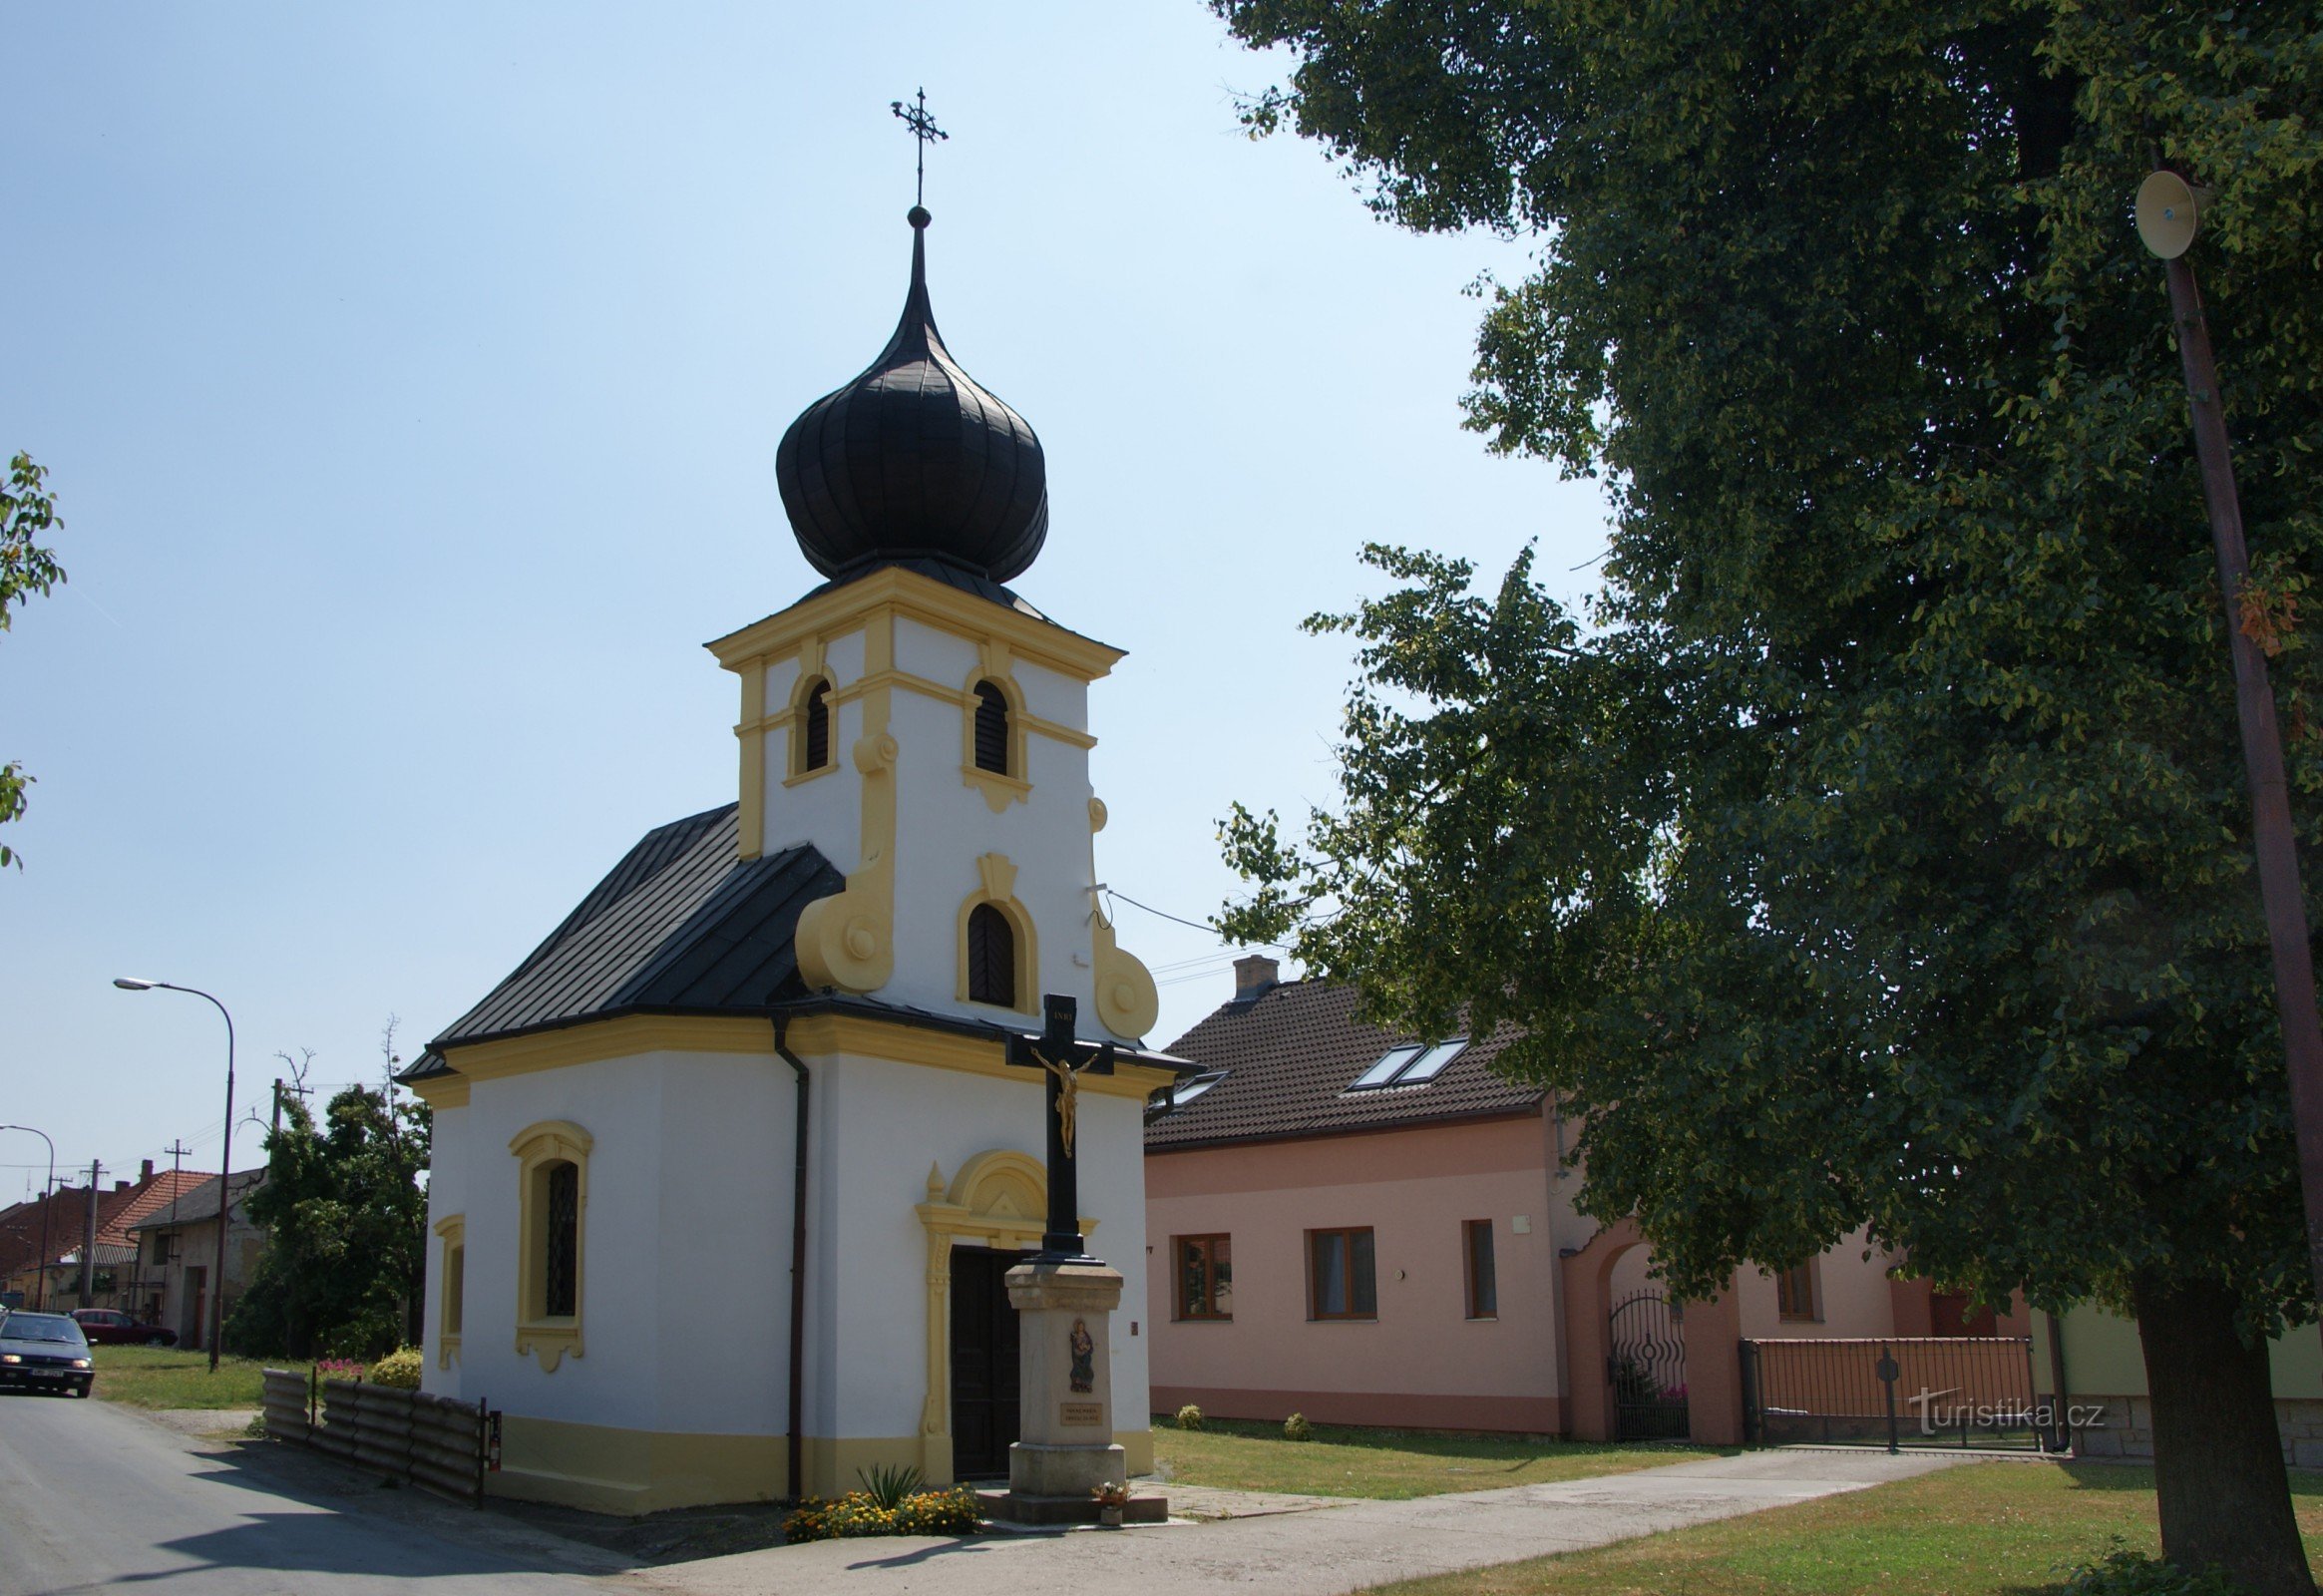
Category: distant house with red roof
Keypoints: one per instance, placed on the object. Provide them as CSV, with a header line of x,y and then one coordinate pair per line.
x,y
42,1240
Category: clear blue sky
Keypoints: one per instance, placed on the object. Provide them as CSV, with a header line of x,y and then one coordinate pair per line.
x,y
411,378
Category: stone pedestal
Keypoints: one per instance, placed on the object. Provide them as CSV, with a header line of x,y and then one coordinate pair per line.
x,y
1064,1310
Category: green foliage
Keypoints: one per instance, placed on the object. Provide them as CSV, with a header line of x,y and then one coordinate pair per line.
x,y
346,1224
1295,1427
27,512
1190,1417
400,1369
2122,1572
887,1485
933,1513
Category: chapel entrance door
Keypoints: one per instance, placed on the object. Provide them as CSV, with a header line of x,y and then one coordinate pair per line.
x,y
984,1363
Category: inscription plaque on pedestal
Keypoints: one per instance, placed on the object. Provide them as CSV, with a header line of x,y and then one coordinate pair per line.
x,y
1091,1415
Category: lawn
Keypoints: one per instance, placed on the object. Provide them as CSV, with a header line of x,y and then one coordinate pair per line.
x,y
1984,1530
164,1377
1388,1464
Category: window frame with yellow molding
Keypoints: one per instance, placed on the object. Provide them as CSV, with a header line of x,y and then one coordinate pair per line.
x,y
451,1287
551,1338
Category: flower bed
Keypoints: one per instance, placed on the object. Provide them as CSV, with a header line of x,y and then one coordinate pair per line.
x,y
926,1512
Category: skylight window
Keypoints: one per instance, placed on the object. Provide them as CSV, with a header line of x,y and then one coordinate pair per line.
x,y
1188,1090
1410,1064
1390,1064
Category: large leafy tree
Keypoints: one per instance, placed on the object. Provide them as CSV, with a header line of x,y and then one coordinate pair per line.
x,y
346,1229
28,512
1874,847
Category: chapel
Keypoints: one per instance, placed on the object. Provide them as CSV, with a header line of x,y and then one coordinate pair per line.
x,y
727,1172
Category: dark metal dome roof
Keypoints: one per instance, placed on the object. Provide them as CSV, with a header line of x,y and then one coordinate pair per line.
x,y
914,460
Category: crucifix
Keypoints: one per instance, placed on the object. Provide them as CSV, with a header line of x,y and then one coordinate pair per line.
x,y
924,129
1065,1061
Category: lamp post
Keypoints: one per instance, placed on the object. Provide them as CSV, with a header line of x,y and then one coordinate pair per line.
x,y
226,1158
2169,212
40,1279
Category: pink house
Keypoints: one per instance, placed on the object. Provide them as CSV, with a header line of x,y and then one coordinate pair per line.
x,y
1374,1229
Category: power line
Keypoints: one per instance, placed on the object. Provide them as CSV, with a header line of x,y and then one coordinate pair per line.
x,y
1194,925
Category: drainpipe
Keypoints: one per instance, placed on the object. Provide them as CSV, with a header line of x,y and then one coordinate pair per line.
x,y
795,1443
2056,1376
1553,1113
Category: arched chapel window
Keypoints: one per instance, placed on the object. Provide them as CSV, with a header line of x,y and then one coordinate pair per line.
x,y
815,737
560,1237
992,957
991,729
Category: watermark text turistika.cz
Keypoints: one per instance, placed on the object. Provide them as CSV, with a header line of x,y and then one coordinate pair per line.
x,y
1936,1415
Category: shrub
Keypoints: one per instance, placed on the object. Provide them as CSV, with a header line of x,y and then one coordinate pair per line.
x,y
889,1484
400,1369
1189,1417
2122,1572
1295,1427
929,1512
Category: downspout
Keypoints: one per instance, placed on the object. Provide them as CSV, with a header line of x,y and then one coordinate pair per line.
x,y
2057,1376
795,1442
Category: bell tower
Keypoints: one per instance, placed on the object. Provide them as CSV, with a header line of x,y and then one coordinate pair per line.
x,y
925,728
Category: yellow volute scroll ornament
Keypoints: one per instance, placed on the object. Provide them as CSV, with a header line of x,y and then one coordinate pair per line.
x,y
847,940
1128,1002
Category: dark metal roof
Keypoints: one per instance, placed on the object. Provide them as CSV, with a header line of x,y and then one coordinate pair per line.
x,y
681,926
914,458
1291,1055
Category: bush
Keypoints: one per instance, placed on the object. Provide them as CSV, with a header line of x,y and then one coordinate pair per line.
x,y
1295,1427
1189,1417
890,1485
929,1512
400,1369
2122,1572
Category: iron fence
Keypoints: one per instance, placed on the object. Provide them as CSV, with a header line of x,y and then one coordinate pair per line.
x,y
1892,1392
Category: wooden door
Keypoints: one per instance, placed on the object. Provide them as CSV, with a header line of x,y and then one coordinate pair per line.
x,y
984,1369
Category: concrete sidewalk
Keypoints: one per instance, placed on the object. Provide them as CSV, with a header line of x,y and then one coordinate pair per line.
x,y
1315,1553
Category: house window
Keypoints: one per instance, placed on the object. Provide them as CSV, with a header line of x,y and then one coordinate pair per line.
x,y
1205,1276
991,728
455,1288
1795,1298
992,957
552,1196
452,1294
1338,1274
1483,1287
161,1247
1410,1064
815,733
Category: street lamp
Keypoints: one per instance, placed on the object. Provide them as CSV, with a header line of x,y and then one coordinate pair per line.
x,y
226,1156
2168,214
40,1279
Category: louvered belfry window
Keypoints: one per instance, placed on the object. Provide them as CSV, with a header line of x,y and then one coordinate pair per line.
x,y
560,1274
991,728
992,957
818,732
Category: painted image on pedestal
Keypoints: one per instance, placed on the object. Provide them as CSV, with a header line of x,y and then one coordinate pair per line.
x,y
1084,1370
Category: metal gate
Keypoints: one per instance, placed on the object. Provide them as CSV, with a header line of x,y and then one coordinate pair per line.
x,y
1645,1363
1894,1391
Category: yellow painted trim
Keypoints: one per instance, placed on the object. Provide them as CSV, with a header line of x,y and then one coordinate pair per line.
x,y
452,1283
793,719
1128,1002
1000,787
632,1471
549,1337
442,1092
996,874
847,940
867,1035
999,1199
932,604
751,733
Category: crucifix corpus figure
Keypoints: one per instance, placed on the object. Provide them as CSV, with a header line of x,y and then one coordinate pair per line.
x,y
1065,1060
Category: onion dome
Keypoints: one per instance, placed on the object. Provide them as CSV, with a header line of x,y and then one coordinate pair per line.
x,y
912,460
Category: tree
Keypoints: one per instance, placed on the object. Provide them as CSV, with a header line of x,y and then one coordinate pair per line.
x,y
1875,846
27,510
346,1219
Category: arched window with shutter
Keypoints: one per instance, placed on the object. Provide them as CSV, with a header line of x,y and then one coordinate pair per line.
x,y
991,741
814,728
992,957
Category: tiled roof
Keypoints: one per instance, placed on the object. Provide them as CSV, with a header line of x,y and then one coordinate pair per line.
x,y
1290,1057
201,1202
68,1218
681,926
150,1199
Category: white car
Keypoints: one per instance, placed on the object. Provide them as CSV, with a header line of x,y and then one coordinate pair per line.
x,y
44,1351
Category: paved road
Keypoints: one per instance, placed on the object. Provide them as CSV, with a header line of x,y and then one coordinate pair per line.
x,y
93,1496
1318,1553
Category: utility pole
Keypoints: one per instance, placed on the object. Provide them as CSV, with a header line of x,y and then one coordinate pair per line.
x,y
176,1151
275,1129
89,1239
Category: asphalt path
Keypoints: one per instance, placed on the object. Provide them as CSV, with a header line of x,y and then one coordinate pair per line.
x,y
95,1498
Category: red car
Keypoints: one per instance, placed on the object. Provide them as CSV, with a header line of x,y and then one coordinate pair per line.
x,y
105,1326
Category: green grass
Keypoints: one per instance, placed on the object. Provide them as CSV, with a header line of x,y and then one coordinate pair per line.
x,y
165,1377
1983,1529
1390,1464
